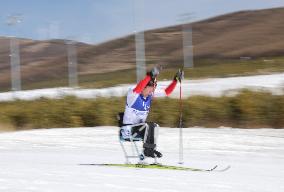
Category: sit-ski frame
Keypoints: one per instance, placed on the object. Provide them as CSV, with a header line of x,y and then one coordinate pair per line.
x,y
133,139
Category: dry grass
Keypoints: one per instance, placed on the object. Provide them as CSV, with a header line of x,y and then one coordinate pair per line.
x,y
6,127
247,109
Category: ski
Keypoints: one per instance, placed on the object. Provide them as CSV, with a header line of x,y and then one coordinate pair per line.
x,y
160,166
224,169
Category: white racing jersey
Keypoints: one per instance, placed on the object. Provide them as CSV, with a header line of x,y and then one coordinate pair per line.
x,y
137,107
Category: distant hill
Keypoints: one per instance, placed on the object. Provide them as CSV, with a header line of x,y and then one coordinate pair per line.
x,y
252,34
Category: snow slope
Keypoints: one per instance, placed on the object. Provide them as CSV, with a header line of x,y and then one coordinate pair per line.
x,y
47,160
212,87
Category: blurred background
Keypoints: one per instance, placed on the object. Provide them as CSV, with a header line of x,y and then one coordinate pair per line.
x,y
70,63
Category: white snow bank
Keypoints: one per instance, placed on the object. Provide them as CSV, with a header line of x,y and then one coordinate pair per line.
x,y
212,87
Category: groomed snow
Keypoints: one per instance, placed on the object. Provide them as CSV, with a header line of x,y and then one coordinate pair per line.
x,y
47,160
212,87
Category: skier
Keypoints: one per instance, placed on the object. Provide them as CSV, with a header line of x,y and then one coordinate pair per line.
x,y
138,106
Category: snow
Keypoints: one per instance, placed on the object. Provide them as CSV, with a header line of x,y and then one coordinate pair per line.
x,y
47,160
212,87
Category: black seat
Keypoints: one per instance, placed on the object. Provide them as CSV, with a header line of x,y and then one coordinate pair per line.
x,y
120,119
120,124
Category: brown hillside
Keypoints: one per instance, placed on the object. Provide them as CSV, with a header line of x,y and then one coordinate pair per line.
x,y
242,34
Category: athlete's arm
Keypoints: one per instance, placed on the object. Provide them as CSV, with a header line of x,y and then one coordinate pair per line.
x,y
171,87
142,84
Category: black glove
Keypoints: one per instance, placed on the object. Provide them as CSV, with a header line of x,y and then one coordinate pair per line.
x,y
179,75
154,72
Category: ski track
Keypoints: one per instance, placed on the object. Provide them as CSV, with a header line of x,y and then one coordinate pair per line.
x,y
47,160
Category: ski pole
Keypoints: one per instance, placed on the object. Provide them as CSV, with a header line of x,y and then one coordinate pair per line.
x,y
180,123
